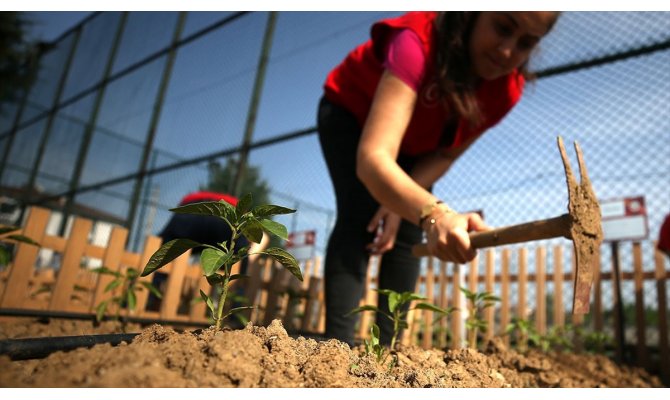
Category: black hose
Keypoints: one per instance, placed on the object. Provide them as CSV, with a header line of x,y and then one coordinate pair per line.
x,y
42,314
32,348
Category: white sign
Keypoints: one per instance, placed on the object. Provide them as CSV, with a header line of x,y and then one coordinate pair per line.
x,y
624,219
301,244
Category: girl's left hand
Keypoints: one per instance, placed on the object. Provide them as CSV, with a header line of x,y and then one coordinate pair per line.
x,y
386,224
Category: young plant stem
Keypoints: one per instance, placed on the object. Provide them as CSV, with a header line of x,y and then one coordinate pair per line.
x,y
472,337
226,280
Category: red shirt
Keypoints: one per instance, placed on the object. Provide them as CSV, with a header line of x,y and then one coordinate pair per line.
x,y
197,197
352,85
664,236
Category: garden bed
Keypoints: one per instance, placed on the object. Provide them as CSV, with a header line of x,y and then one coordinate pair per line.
x,y
269,357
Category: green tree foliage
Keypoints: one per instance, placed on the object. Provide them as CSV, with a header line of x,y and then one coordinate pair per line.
x,y
18,57
222,178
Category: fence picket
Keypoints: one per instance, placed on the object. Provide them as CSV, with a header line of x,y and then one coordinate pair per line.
x,y
489,313
540,282
172,295
642,356
70,265
505,298
661,292
559,309
444,303
23,267
111,260
427,339
151,244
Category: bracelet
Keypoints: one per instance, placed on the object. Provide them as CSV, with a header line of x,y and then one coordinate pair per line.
x,y
445,209
427,210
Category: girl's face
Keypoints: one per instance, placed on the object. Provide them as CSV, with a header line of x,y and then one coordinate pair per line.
x,y
503,41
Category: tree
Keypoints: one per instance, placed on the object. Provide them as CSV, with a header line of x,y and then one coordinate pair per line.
x,y
221,179
18,56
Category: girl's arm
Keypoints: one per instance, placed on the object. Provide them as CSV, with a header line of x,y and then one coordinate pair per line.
x,y
392,187
379,146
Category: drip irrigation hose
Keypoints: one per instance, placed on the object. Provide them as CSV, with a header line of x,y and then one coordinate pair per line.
x,y
32,348
42,314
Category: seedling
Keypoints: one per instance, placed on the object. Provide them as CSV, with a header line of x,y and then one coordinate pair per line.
x,y
396,301
127,296
479,302
373,346
6,235
525,330
217,261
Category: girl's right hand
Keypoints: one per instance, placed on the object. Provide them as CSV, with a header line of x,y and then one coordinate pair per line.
x,y
448,239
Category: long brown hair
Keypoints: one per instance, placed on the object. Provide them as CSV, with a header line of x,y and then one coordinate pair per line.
x,y
456,82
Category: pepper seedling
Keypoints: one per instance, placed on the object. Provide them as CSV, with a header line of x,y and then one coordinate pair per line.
x,y
217,261
396,302
478,302
6,235
127,296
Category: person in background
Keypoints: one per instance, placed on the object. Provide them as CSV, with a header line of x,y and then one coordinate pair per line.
x,y
664,237
395,115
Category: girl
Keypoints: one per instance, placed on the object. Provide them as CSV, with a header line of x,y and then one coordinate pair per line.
x,y
395,115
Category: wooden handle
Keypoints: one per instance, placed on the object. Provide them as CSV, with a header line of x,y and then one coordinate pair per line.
x,y
536,230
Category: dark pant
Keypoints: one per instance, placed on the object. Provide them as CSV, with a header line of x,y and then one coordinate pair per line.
x,y
346,256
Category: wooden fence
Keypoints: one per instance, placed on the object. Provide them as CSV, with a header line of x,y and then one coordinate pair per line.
x,y
73,287
300,305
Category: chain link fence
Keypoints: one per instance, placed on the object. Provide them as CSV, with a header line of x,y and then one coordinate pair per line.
x,y
129,109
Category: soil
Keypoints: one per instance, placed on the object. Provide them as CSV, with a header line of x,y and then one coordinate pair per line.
x,y
269,357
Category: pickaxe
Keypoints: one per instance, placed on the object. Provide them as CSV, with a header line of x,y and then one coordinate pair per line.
x,y
581,224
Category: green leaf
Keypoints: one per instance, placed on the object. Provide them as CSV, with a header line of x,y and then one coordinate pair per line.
x,y
131,273
168,252
286,259
106,271
23,239
152,289
132,299
275,228
252,230
268,210
5,256
236,310
393,300
243,205
238,276
406,297
8,228
100,310
215,279
374,334
211,260
432,307
221,209
113,285
207,300
366,307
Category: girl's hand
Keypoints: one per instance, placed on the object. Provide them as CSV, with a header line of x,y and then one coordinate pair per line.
x,y
386,224
448,238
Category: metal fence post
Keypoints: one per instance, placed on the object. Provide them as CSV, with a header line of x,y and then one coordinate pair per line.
x,y
255,99
50,119
90,126
155,117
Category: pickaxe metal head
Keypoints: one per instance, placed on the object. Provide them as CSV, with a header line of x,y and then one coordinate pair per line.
x,y
585,229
